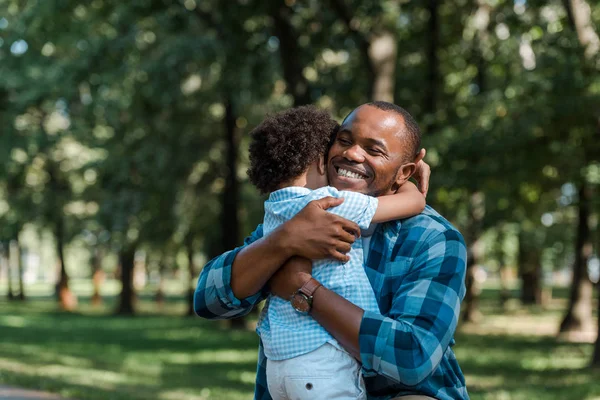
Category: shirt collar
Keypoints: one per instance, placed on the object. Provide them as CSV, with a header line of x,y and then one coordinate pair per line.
x,y
288,193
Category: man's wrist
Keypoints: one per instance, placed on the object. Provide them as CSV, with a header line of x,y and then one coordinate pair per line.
x,y
284,241
300,279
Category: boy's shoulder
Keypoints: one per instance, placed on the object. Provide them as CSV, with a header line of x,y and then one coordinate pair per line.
x,y
332,191
350,197
293,196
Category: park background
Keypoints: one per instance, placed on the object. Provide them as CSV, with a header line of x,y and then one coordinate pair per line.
x,y
123,139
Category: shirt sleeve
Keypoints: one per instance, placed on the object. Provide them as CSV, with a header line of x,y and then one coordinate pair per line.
x,y
213,298
357,207
408,344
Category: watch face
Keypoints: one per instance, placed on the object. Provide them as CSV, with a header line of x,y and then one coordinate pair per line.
x,y
300,303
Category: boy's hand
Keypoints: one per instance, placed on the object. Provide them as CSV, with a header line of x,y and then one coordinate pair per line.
x,y
316,234
422,173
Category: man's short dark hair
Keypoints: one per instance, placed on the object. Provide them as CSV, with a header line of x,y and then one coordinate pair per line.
x,y
413,133
285,144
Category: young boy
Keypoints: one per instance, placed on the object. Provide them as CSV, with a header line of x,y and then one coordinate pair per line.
x,y
287,160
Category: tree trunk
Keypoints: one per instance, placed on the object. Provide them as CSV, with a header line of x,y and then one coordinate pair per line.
x,y
531,289
289,52
230,225
363,43
5,254
19,260
596,355
530,271
481,20
126,298
502,267
191,275
97,276
66,298
432,64
378,51
504,290
471,311
230,200
578,319
160,291
382,53
579,14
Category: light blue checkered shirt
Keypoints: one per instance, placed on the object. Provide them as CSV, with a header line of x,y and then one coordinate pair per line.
x,y
279,325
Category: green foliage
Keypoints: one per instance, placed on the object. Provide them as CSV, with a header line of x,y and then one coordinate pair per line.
x,y
113,113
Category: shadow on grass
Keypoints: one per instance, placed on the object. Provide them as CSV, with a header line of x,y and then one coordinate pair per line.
x,y
512,367
166,357
146,357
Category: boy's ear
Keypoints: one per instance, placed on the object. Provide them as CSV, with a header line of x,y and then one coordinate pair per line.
x,y
321,165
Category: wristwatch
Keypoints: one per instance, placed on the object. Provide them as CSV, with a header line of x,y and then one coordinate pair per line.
x,y
302,300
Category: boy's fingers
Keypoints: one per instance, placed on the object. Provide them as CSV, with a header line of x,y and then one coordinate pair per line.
x,y
424,181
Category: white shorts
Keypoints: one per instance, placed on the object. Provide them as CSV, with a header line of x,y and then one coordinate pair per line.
x,y
325,373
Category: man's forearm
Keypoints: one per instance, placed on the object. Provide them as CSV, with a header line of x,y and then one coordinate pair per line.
x,y
338,316
256,263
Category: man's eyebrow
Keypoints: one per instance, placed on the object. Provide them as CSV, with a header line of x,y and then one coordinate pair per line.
x,y
371,141
377,142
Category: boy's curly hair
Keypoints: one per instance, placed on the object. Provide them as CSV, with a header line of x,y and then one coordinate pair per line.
x,y
285,144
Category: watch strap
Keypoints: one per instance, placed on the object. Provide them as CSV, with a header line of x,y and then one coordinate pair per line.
x,y
310,287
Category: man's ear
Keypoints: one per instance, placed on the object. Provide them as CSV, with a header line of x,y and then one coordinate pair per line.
x,y
321,165
404,173
407,170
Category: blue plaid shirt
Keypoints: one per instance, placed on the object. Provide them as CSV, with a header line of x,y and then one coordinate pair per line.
x,y
279,325
417,269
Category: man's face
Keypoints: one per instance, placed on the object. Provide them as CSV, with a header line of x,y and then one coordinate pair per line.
x,y
368,152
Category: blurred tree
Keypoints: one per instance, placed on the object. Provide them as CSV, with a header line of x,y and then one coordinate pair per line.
x,y
290,53
587,132
377,44
127,120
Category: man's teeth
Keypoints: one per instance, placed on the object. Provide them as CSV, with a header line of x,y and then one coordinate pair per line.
x,y
349,174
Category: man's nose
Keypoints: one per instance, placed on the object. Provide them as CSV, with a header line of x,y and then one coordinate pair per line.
x,y
354,153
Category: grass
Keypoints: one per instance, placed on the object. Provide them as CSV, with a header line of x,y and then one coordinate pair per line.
x,y
510,355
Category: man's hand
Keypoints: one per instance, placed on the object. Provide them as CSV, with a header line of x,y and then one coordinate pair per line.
x,y
316,234
422,173
290,277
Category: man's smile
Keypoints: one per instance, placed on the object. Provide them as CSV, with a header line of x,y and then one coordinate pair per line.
x,y
350,171
349,174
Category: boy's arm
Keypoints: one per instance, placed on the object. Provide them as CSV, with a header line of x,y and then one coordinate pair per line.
x,y
408,201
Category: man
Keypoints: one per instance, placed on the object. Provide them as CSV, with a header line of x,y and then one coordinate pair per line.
x,y
416,267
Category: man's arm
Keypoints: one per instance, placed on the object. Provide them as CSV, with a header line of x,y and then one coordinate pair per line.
x,y
408,344
231,284
312,233
213,298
